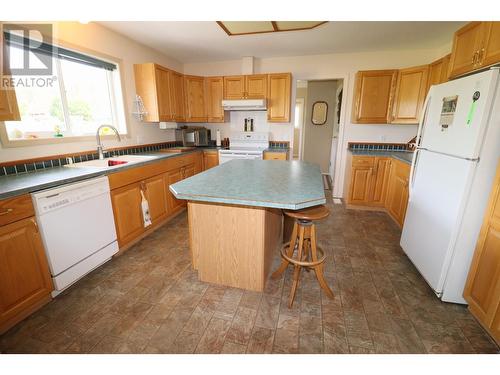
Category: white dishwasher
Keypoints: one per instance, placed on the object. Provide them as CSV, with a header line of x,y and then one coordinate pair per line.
x,y
77,228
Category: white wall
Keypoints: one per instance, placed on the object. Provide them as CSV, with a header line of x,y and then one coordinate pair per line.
x,y
333,66
102,40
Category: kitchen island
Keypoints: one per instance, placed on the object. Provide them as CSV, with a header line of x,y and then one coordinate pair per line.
x,y
235,218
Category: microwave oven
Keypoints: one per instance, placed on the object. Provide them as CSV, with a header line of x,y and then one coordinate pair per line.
x,y
196,137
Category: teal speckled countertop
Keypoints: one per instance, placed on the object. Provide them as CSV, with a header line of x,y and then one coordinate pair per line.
x,y
404,156
263,183
14,185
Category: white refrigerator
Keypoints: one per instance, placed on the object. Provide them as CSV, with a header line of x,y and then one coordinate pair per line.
x,y
450,179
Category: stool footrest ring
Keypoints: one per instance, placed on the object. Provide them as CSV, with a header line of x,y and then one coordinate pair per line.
x,y
297,262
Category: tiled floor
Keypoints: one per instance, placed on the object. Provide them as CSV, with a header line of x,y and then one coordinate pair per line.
x,y
150,301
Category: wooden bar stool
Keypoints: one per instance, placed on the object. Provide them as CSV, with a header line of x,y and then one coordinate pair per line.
x,y
308,254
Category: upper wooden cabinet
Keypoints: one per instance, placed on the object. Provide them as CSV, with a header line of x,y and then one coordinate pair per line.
x,y
278,97
214,93
490,49
245,87
177,96
256,86
438,71
234,87
409,96
372,96
482,289
8,106
152,85
475,46
195,99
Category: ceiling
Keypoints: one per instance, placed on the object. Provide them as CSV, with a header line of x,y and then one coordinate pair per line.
x,y
203,41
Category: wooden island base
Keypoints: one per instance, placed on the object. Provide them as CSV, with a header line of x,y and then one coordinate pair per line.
x,y
234,245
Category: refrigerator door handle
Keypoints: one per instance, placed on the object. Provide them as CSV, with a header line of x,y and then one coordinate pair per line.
x,y
412,172
422,119
419,133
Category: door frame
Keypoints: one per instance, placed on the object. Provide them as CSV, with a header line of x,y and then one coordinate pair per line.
x,y
302,103
340,155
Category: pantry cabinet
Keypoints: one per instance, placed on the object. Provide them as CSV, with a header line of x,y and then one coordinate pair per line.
x,y
373,95
482,289
278,97
25,282
195,99
409,97
475,46
177,96
397,191
214,93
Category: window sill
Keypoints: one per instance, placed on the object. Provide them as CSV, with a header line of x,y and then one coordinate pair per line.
x,y
9,143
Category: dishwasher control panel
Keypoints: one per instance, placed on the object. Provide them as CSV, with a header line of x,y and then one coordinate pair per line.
x,y
59,197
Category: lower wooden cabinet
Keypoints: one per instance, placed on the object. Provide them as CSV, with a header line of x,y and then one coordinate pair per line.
x,y
275,155
210,159
379,183
172,177
25,282
482,290
380,178
126,196
127,210
155,193
397,191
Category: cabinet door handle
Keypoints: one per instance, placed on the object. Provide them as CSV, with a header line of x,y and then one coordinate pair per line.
x,y
35,224
7,211
474,58
480,56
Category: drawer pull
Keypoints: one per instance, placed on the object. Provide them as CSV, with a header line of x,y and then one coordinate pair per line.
x,y
7,211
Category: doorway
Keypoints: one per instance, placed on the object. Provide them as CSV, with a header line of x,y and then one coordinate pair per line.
x,y
317,142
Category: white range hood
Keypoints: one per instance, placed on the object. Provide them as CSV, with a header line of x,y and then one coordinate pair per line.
x,y
244,105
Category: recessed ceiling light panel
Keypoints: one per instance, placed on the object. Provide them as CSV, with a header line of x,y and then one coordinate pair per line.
x,y
259,27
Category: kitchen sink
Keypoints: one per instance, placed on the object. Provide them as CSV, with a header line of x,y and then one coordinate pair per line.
x,y
111,162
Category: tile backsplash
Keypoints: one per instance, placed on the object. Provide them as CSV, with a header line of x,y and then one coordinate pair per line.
x,y
25,166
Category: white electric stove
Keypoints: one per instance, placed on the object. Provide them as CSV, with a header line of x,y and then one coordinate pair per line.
x,y
245,145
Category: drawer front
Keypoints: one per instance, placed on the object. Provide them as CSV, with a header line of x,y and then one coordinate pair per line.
x,y
15,209
275,156
363,161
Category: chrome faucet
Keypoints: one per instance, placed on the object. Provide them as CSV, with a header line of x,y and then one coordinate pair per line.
x,y
100,149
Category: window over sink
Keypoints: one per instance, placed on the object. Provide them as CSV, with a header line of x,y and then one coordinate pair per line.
x,y
82,93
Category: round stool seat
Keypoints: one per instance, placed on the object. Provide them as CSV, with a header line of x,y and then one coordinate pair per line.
x,y
310,213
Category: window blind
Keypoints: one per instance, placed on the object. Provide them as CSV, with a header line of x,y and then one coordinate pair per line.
x,y
18,41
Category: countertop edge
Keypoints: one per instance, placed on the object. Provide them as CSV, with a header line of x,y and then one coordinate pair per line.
x,y
87,173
